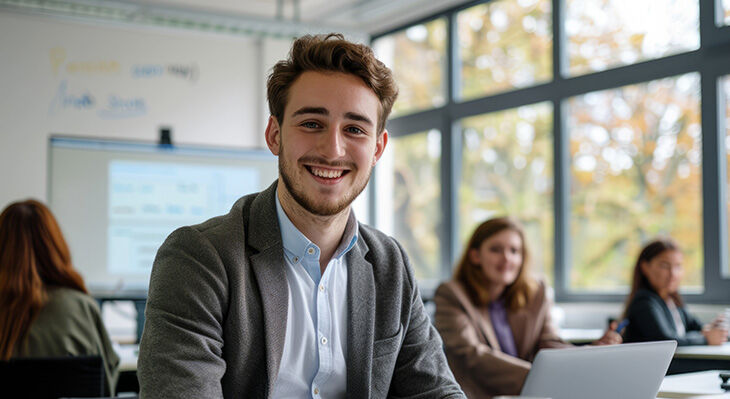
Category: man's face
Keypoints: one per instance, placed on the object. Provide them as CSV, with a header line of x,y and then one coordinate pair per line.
x,y
327,143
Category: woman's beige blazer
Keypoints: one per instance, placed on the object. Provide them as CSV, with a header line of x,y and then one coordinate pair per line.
x,y
472,348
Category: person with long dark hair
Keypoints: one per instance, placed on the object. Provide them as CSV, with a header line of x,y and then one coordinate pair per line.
x,y
655,309
493,316
46,309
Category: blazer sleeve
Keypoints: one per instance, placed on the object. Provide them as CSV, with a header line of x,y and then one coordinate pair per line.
x,y
549,337
181,348
421,369
649,321
495,371
691,322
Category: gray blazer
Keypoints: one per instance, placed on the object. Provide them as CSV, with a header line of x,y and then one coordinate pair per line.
x,y
217,306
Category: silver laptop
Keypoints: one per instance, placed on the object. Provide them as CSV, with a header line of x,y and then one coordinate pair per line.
x,y
627,371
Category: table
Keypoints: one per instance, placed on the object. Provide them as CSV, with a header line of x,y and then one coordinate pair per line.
x,y
580,335
699,358
715,352
128,354
693,385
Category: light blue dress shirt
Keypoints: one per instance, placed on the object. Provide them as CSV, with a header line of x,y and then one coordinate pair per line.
x,y
313,362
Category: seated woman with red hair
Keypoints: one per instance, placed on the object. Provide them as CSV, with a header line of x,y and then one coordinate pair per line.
x,y
46,309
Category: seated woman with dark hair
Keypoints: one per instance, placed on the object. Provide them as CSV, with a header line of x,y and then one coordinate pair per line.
x,y
46,310
494,317
655,309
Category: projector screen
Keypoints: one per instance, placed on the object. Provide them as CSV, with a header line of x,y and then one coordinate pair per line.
x,y
116,202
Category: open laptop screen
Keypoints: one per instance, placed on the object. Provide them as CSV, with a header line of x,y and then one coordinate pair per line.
x,y
627,371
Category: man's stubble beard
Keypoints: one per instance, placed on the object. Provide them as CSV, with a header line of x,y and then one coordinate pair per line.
x,y
311,204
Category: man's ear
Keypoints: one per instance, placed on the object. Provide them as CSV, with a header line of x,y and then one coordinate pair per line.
x,y
273,136
380,144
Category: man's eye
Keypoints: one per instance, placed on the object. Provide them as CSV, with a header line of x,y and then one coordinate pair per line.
x,y
310,125
356,130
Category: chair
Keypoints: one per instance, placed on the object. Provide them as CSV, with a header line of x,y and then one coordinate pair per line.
x,y
46,377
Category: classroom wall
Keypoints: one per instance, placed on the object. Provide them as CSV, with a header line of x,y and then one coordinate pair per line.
x,y
60,76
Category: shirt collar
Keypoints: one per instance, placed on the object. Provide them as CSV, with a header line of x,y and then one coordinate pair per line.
x,y
296,243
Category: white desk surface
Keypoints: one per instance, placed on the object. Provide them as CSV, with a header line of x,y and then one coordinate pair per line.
x,y
580,335
128,352
693,385
127,356
721,352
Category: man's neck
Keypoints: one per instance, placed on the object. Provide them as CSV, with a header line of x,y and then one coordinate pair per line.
x,y
324,231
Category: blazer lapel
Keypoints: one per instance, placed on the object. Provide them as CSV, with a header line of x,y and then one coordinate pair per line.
x,y
268,267
518,322
361,321
479,314
488,329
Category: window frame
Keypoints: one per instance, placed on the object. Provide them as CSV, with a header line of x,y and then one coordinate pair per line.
x,y
711,61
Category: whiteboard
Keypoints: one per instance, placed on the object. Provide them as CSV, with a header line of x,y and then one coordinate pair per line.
x,y
121,82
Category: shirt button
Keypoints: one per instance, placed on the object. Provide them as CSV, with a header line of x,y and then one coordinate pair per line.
x,y
324,341
296,259
321,288
316,391
310,250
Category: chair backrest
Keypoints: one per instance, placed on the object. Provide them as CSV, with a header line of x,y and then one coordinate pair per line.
x,y
46,377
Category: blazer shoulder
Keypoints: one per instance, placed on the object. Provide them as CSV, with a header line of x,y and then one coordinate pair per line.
x,y
450,289
386,255
540,293
381,249
644,300
69,297
377,241
453,293
646,296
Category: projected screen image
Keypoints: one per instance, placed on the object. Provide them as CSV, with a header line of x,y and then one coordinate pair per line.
x,y
117,202
148,200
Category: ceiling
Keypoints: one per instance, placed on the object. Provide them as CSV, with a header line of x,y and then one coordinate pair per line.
x,y
369,16
267,17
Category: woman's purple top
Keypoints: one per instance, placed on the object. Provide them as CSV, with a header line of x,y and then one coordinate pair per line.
x,y
498,315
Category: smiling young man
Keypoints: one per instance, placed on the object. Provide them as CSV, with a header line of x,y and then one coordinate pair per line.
x,y
288,296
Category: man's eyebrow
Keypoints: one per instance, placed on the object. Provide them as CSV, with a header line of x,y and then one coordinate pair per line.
x,y
358,117
311,110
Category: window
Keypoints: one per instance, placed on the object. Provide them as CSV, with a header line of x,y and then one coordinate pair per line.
x,y
507,160
417,56
599,124
504,45
635,174
409,198
609,33
725,93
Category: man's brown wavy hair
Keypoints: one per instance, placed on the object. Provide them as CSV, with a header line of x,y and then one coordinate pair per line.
x,y
331,53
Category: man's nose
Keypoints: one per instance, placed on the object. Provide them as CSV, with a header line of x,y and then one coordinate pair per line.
x,y
331,143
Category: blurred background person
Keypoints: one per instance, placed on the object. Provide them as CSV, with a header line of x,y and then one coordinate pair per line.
x,y
655,309
46,309
493,316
